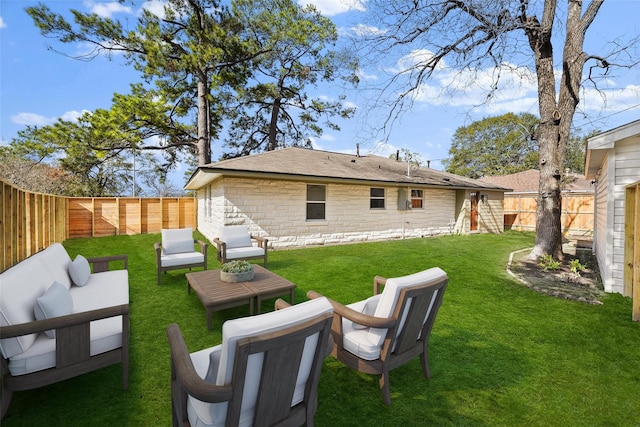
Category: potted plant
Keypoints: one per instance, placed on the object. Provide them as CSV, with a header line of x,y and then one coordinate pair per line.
x,y
236,271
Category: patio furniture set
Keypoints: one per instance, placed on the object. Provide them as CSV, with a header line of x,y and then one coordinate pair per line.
x,y
234,383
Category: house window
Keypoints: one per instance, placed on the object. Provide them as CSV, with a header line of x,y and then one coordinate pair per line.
x,y
316,202
416,199
376,200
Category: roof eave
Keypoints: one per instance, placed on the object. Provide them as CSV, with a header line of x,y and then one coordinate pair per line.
x,y
205,175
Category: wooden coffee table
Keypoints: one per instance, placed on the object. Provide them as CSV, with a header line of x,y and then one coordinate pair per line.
x,y
217,295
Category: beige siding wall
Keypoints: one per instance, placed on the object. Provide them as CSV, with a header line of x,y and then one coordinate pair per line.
x,y
627,164
277,210
619,169
491,213
603,236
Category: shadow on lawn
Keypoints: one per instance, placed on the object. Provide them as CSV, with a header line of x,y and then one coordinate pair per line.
x,y
459,361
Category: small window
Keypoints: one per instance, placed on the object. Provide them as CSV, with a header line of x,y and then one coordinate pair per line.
x,y
377,198
416,199
316,202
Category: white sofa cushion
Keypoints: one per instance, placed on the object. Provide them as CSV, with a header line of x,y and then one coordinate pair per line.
x,y
79,271
56,260
20,286
177,240
109,288
55,302
205,414
181,259
236,236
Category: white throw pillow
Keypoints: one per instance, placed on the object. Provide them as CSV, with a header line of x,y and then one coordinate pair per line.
x,y
79,271
55,302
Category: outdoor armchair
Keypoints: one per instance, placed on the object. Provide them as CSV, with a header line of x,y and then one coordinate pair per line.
x,y
265,372
177,251
235,243
389,329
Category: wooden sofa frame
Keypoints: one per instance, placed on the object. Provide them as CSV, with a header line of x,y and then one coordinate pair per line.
x,y
72,345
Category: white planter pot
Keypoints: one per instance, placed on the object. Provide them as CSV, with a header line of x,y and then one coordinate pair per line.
x,y
236,277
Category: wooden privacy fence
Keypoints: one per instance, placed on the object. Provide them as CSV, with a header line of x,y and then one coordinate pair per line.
x,y
32,221
577,212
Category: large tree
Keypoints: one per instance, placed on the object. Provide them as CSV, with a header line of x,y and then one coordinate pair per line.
x,y
473,35
188,54
275,109
497,145
505,144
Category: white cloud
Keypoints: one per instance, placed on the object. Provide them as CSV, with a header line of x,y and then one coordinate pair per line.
x,y
73,116
33,119
610,100
2,24
107,10
155,6
516,90
362,75
366,30
334,7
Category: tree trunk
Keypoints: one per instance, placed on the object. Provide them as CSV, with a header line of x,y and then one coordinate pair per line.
x,y
273,126
204,129
556,118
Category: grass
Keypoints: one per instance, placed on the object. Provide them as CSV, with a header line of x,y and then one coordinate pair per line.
x,y
501,354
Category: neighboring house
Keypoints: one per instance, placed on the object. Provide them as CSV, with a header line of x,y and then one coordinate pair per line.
x,y
520,204
613,160
300,197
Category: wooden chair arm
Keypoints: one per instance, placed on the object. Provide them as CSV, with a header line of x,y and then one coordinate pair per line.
x,y
186,375
378,283
281,304
38,326
203,247
101,264
262,241
355,316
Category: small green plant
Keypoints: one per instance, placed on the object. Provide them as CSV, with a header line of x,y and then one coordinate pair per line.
x,y
236,267
576,266
548,263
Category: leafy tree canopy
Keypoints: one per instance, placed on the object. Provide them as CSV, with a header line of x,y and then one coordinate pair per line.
x,y
503,145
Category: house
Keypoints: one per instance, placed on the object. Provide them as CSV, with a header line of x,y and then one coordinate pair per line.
x,y
613,161
521,203
300,197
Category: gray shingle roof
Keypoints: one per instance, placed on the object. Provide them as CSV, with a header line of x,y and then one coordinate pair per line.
x,y
528,181
301,163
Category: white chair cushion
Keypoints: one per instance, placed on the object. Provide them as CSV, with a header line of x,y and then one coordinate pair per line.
x,y
181,259
245,252
232,331
178,240
391,293
79,270
20,286
235,236
355,337
55,302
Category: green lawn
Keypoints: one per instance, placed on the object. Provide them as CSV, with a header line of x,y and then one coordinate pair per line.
x,y
501,354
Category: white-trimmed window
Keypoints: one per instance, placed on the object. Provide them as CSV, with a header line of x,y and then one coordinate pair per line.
x,y
417,198
316,201
376,198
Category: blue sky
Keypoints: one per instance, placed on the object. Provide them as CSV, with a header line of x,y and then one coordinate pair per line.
x,y
37,85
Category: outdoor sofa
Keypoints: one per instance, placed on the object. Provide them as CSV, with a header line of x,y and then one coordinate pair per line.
x,y
59,320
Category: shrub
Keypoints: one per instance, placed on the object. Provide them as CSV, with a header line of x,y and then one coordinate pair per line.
x,y
548,263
